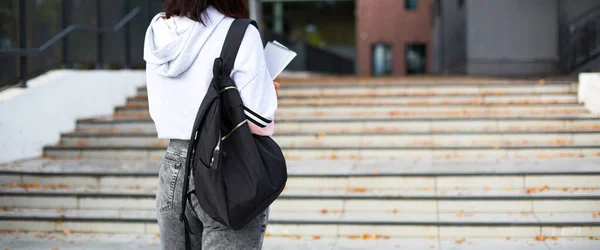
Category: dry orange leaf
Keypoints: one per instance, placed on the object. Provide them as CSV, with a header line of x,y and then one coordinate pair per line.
x,y
316,237
486,188
67,232
58,223
459,213
554,238
324,211
540,238
267,234
394,211
461,240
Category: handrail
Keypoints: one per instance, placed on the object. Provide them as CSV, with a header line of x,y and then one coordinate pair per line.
x,y
580,41
579,20
74,27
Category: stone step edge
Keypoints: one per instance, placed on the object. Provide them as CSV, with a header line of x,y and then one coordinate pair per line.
x,y
325,175
434,106
78,134
398,105
425,84
100,148
321,197
325,222
407,95
380,119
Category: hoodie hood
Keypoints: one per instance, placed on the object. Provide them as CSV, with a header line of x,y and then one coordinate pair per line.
x,y
174,44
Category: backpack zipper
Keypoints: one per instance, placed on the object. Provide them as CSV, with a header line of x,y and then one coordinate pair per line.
x,y
216,151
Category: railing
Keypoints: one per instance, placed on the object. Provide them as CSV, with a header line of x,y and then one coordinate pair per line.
x,y
24,53
581,41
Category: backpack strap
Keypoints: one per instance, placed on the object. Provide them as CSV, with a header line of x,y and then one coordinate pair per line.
x,y
232,43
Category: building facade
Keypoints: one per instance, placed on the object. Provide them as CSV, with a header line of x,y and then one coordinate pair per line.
x,y
508,37
394,37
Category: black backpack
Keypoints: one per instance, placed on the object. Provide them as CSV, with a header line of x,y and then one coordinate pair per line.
x,y
237,175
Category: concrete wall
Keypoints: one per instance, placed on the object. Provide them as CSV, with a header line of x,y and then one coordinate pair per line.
x,y
34,117
589,91
387,21
450,37
512,37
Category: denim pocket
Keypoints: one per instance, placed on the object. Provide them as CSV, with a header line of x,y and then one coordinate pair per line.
x,y
168,176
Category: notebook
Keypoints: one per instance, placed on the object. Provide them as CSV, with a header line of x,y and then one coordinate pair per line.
x,y
278,58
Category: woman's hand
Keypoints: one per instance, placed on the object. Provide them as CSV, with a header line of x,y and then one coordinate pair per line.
x,y
277,85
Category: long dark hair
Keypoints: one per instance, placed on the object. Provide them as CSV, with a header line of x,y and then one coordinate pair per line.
x,y
193,9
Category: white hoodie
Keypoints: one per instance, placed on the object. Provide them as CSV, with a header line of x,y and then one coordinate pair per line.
x,y
180,52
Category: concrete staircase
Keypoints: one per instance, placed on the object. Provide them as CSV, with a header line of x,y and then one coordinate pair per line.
x,y
445,164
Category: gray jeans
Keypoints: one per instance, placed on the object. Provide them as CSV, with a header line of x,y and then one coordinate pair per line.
x,y
206,233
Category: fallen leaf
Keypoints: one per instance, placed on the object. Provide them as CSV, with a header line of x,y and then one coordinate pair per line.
x,y
459,213
564,189
508,188
507,238
316,237
67,232
461,240
324,211
486,188
267,234
540,238
394,211
58,223
591,238
554,238
157,235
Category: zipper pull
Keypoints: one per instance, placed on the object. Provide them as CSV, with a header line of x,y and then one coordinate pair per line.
x,y
216,153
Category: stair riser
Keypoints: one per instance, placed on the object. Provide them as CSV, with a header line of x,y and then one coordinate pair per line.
x,y
423,90
435,100
349,111
376,126
276,229
325,206
369,140
377,185
347,154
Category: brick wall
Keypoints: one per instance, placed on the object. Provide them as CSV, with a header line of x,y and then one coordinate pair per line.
x,y
387,21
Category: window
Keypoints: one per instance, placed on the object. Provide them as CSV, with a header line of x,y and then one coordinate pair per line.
x,y
412,4
416,59
381,59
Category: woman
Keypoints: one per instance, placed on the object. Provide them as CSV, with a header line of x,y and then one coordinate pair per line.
x,y
180,47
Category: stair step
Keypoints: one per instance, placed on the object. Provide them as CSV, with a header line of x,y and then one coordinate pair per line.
x,y
362,140
142,101
395,111
77,240
344,152
371,125
328,225
350,90
325,201
316,168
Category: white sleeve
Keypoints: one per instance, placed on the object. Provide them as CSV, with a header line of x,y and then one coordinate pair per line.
x,y
254,81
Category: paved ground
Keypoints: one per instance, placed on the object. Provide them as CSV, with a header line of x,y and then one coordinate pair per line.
x,y
60,241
